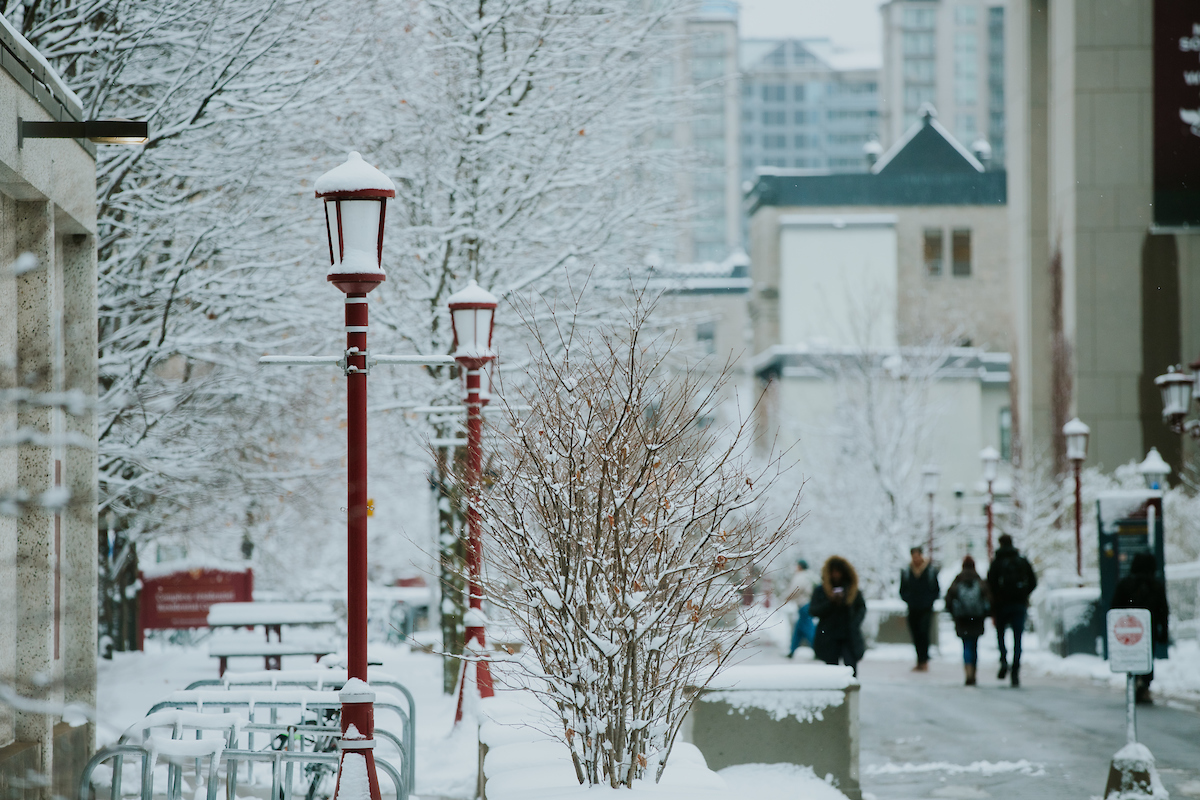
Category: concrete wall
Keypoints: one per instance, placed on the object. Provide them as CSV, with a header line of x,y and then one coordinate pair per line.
x,y
979,308
1080,187
47,344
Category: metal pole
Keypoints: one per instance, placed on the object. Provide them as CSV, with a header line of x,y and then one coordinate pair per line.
x,y
1078,520
1130,708
991,499
931,527
357,707
475,633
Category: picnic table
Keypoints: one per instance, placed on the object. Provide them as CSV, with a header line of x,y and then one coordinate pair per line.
x,y
271,617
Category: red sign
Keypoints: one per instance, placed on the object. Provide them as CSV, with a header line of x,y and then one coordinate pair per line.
x,y
182,599
1129,631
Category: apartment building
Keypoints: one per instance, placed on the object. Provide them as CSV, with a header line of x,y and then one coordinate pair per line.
x,y
950,55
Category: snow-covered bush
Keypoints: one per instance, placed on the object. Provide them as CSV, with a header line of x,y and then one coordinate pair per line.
x,y
620,529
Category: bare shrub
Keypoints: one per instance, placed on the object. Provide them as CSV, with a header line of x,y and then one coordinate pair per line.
x,y
620,531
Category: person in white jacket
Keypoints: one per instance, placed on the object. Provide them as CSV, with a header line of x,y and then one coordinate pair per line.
x,y
799,592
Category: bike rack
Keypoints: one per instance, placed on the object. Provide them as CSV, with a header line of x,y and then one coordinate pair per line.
x,y
197,699
283,763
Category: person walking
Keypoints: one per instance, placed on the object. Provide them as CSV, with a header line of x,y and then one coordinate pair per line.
x,y
969,601
799,592
1011,580
840,610
1141,588
919,589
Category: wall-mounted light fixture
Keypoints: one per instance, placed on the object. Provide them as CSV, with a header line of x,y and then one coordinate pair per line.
x,y
100,131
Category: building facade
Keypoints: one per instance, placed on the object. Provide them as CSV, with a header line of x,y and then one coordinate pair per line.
x,y
903,262
48,380
806,104
1106,288
950,55
710,190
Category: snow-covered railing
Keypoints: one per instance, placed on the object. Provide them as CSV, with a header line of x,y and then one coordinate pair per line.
x,y
289,770
300,713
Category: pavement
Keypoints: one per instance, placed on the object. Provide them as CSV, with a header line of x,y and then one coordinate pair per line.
x,y
925,735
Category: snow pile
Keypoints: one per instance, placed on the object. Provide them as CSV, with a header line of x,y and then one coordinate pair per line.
x,y
1133,775
784,676
805,706
777,782
1177,676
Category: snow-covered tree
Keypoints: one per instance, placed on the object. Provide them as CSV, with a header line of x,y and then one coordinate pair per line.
x,y
619,531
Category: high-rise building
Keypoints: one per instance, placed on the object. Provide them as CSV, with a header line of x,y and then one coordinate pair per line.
x,y
710,129
950,55
806,104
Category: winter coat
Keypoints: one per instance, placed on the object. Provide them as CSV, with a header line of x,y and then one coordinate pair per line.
x,y
1011,579
1141,588
919,591
967,626
839,615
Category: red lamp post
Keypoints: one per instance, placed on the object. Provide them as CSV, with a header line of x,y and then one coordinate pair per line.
x,y
472,315
355,196
991,460
1076,434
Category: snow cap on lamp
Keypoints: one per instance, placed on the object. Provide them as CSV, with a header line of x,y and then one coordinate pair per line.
x,y
1076,433
355,195
930,474
472,315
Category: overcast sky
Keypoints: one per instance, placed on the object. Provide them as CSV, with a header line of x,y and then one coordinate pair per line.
x,y
853,23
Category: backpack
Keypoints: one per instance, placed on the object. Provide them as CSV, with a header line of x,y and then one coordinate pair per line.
x,y
1013,584
970,602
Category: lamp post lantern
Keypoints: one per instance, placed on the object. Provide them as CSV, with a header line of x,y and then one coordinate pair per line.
x,y
930,475
1154,470
356,195
990,459
1076,433
472,316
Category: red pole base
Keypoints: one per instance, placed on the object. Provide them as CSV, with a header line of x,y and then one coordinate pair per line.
x,y
483,672
357,776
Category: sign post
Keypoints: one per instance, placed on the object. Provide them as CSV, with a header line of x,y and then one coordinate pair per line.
x,y
1130,650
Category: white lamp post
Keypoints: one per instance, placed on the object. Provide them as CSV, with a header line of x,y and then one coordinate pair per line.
x,y
1177,389
930,475
1076,434
990,458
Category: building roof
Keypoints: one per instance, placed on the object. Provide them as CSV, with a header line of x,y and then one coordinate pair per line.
x,y
952,363
927,147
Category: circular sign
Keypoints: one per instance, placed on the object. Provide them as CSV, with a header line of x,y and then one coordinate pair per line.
x,y
1128,631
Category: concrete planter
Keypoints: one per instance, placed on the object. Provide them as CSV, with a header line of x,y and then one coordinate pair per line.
x,y
802,714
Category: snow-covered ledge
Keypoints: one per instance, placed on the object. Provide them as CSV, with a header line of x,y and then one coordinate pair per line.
x,y
805,714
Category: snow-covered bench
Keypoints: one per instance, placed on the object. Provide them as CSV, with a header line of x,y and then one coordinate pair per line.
x,y
226,647
796,714
272,617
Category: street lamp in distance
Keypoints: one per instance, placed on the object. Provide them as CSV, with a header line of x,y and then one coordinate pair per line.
x,y
930,475
990,458
1177,389
1076,433
472,317
1154,470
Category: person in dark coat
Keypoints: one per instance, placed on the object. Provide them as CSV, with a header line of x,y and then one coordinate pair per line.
x,y
1141,588
839,609
1011,580
919,589
969,601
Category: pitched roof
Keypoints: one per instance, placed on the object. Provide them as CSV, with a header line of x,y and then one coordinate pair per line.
x,y
927,147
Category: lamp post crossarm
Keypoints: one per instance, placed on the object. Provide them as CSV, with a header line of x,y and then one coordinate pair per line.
x,y
349,369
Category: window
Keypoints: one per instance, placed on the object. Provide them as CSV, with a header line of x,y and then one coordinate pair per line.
x,y
806,117
933,252
807,163
747,116
1006,433
798,93
918,44
774,162
914,96
849,138
774,142
748,139
774,118
919,17
804,140
918,70
774,94
747,90
960,249
964,15
706,337
966,127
